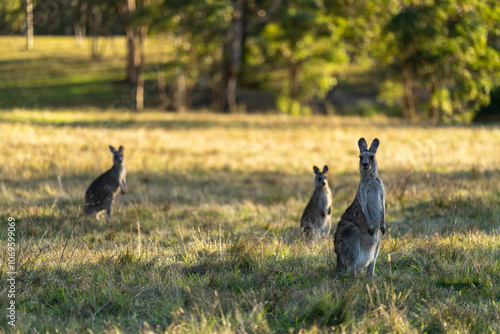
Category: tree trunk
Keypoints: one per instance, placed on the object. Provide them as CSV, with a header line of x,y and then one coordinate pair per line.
x,y
162,92
29,24
131,52
141,36
139,93
180,93
294,88
408,99
231,62
236,46
160,77
433,107
80,24
221,102
131,74
294,81
96,26
142,32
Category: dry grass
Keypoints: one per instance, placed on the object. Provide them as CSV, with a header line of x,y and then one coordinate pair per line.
x,y
217,200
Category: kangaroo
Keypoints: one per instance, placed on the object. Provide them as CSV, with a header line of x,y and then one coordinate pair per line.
x,y
102,192
360,229
315,221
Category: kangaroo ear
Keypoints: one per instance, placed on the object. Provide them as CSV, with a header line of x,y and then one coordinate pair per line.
x,y
112,149
374,145
325,169
120,149
362,145
316,170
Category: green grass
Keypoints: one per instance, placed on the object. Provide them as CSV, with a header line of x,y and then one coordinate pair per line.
x,y
58,74
208,240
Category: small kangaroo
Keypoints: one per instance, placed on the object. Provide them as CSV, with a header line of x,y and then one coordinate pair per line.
x,y
315,221
359,232
102,192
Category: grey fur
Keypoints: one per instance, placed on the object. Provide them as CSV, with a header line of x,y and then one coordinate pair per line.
x,y
102,192
359,232
316,220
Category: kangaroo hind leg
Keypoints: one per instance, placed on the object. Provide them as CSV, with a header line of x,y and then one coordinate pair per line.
x,y
348,250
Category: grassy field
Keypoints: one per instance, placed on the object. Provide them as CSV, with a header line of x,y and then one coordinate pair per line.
x,y
58,74
208,240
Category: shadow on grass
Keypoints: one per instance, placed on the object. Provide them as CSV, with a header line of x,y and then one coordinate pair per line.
x,y
92,94
104,95
120,98
125,285
260,200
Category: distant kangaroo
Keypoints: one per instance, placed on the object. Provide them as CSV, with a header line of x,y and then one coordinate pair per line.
x,y
315,221
358,235
102,192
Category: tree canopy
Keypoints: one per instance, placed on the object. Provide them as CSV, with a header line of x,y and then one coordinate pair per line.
x,y
440,57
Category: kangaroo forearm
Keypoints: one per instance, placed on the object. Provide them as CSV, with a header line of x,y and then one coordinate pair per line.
x,y
123,187
375,220
374,223
371,219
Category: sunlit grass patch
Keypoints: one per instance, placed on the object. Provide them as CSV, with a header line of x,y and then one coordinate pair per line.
x,y
208,239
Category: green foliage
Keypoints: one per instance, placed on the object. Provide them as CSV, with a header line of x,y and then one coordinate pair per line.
x,y
293,107
445,46
444,52
391,93
308,42
11,16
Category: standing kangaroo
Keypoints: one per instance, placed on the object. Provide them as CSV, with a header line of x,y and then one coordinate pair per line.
x,y
102,192
315,221
358,235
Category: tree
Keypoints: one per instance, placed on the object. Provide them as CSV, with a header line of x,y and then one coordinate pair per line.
x,y
196,31
241,24
13,13
443,46
80,21
136,18
142,32
308,41
126,9
29,24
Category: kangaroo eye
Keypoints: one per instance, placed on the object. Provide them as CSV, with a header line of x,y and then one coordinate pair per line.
x,y
371,157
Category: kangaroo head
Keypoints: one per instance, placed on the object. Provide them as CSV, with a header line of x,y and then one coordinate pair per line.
x,y
320,179
117,155
367,160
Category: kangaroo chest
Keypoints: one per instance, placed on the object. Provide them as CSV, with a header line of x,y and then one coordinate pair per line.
x,y
366,187
323,200
117,174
